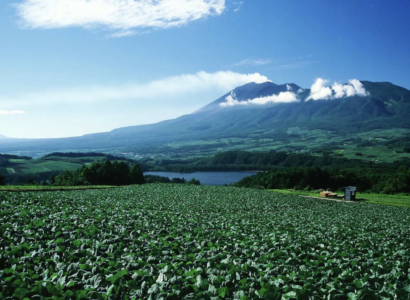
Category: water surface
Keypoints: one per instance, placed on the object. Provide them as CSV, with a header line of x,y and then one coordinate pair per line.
x,y
207,178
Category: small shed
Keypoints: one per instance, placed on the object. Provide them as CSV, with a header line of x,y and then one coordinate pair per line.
x,y
350,193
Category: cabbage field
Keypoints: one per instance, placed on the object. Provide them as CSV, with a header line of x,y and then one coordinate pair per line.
x,y
164,241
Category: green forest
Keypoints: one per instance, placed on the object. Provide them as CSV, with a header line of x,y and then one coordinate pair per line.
x,y
106,173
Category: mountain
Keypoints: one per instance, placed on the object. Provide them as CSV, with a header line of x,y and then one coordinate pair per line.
x,y
385,106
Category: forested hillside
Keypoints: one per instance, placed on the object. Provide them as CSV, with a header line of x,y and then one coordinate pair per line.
x,y
244,160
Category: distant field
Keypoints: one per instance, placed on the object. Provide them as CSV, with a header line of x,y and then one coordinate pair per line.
x,y
300,139
10,170
49,164
15,160
58,165
39,165
375,145
392,200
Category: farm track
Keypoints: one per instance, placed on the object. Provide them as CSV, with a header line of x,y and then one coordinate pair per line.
x,y
330,199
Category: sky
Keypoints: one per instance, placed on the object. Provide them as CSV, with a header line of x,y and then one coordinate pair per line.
x,y
74,67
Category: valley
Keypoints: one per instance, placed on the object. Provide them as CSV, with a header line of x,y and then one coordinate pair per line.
x,y
204,150
378,145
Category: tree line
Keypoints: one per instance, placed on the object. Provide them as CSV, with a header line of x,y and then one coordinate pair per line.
x,y
112,173
106,173
84,155
163,179
372,180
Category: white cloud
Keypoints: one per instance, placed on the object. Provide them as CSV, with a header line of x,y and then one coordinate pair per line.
x,y
319,90
254,62
288,87
282,97
119,15
358,86
160,89
342,90
11,112
122,34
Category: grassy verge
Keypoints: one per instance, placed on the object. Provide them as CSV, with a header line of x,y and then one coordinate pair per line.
x,y
400,200
12,188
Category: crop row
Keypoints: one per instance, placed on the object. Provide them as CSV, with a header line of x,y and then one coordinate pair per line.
x,y
199,242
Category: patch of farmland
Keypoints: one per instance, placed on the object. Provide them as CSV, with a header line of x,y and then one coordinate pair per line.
x,y
10,170
34,166
17,160
199,242
31,168
58,165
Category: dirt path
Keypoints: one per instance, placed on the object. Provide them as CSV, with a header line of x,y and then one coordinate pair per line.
x,y
330,199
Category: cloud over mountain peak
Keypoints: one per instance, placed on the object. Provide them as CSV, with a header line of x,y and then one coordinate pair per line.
x,y
320,91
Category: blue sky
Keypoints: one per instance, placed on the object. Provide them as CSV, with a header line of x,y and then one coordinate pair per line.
x,y
71,67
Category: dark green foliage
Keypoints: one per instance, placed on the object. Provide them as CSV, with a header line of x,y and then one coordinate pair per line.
x,y
23,178
84,156
156,179
376,180
194,181
195,242
245,160
10,156
4,159
4,162
1,179
178,180
136,175
162,179
106,173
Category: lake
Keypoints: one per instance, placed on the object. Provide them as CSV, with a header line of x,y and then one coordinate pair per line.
x,y
207,178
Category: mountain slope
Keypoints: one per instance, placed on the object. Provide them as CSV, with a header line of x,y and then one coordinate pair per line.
x,y
386,106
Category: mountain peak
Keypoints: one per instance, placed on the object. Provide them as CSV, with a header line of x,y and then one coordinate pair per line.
x,y
386,106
